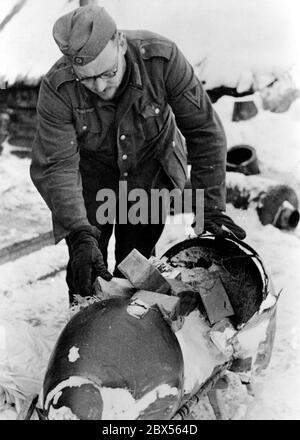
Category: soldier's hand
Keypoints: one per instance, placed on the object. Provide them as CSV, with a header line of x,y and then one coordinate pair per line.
x,y
86,259
221,225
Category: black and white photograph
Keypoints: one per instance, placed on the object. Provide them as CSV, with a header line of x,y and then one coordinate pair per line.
x,y
149,217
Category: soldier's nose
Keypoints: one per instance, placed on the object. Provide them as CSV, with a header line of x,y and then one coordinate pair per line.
x,y
100,85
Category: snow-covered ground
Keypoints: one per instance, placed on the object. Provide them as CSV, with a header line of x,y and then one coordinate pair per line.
x,y
28,295
261,36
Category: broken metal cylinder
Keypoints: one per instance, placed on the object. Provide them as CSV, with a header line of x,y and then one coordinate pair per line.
x,y
287,217
275,203
244,110
143,357
242,159
109,363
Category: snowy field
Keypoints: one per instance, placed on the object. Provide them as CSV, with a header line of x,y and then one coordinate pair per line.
x,y
29,296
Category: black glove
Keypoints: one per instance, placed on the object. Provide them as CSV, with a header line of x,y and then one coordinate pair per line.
x,y
214,219
86,259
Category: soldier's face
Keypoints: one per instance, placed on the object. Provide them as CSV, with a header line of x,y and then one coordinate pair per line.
x,y
104,74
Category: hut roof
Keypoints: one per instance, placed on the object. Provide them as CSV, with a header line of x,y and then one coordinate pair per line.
x,y
231,43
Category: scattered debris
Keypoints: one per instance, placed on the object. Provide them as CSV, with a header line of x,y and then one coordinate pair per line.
x,y
244,110
275,203
142,274
242,159
138,308
215,299
279,96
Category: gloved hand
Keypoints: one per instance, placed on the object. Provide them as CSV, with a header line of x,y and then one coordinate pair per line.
x,y
214,219
86,259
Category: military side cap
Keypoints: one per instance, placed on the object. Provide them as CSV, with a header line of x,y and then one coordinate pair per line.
x,y
83,33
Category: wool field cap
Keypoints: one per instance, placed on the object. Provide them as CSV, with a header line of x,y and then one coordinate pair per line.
x,y
83,33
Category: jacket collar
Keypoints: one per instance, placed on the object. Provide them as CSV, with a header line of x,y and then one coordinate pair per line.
x,y
62,72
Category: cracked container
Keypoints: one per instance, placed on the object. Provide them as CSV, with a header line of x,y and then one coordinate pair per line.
x,y
126,358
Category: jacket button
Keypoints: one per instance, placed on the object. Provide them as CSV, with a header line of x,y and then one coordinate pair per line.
x,y
157,111
84,127
125,174
124,157
122,137
78,60
173,143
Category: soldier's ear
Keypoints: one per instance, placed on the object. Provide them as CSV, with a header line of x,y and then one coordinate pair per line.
x,y
122,42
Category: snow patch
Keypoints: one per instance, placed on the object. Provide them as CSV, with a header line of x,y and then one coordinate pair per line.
x,y
62,413
246,341
269,302
8,413
119,404
138,308
56,397
2,337
73,354
73,381
200,355
221,334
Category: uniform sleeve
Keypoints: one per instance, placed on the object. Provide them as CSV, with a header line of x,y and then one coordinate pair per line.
x,y
201,127
55,160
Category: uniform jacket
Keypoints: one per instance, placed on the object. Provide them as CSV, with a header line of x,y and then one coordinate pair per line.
x,y
163,102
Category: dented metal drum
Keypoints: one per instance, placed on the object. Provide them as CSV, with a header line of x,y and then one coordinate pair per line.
x,y
123,358
110,364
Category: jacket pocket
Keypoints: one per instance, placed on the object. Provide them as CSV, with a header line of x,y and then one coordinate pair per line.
x,y
88,128
152,120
